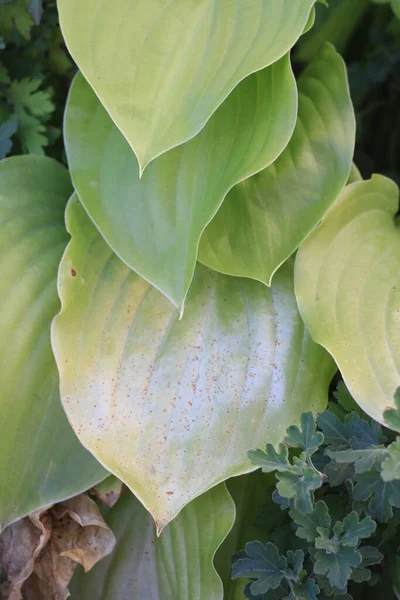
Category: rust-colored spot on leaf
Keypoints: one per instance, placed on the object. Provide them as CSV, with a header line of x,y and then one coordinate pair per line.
x,y
73,272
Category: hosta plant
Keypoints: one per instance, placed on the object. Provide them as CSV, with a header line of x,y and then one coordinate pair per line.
x,y
182,291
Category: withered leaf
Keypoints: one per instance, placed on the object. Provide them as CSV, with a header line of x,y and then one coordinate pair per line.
x,y
39,553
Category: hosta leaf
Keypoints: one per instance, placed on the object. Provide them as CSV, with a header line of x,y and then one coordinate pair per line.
x,y
162,67
154,224
179,564
171,406
265,218
348,290
39,451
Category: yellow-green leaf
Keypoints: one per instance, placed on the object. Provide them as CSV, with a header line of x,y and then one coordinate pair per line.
x,y
41,459
172,406
177,565
264,219
163,67
348,290
154,223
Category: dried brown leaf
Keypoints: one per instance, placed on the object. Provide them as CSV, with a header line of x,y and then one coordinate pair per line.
x,y
39,554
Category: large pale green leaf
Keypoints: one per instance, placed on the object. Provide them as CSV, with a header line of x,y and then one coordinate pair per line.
x,y
162,67
172,406
39,452
154,223
265,218
348,290
178,565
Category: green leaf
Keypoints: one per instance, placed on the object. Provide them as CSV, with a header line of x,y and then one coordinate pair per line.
x,y
337,433
39,452
171,406
308,590
366,435
395,4
391,416
370,556
32,107
336,25
307,437
391,464
7,130
173,63
271,460
380,495
354,530
15,15
338,473
324,540
264,564
345,399
337,566
179,564
265,218
299,487
251,493
25,95
346,286
295,562
364,460
307,523
154,224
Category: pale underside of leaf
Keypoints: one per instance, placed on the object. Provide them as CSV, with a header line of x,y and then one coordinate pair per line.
x,y
172,406
154,223
179,564
348,290
162,68
264,219
38,449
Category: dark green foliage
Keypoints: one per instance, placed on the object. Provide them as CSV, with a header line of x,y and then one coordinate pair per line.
x,y
338,490
35,72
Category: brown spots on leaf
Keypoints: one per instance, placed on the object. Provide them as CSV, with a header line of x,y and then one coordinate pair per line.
x,y
73,272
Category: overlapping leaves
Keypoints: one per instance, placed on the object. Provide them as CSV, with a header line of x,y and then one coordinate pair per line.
x,y
171,406
154,223
162,68
265,218
179,564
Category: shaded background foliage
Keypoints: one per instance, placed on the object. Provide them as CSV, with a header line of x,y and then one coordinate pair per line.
x,y
36,70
